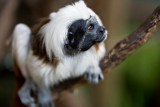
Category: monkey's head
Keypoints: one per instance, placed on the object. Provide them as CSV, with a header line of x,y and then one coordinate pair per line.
x,y
72,30
83,34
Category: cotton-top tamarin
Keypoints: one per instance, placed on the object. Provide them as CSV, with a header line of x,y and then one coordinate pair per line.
x,y
68,44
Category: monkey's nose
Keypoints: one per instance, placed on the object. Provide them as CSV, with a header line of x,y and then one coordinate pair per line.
x,y
101,30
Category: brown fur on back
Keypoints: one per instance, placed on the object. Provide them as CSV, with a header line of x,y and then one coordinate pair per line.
x,y
37,42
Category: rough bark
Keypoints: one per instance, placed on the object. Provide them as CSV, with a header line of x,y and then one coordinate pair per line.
x,y
118,53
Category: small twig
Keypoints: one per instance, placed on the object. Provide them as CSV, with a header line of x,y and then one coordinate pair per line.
x,y
119,52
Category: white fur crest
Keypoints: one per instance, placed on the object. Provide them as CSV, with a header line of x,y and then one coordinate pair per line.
x,y
55,31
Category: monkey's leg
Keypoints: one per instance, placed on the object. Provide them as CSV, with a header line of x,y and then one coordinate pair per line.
x,y
44,97
25,93
93,74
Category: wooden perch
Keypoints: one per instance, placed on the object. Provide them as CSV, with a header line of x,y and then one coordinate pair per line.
x,y
118,53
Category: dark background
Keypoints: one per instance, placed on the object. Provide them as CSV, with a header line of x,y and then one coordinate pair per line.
x,y
134,83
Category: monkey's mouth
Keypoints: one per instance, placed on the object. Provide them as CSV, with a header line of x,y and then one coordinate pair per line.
x,y
102,38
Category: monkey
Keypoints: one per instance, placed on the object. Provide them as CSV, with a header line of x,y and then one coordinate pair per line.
x,y
67,44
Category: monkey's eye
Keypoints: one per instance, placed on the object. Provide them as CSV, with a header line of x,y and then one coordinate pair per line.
x,y
70,36
91,27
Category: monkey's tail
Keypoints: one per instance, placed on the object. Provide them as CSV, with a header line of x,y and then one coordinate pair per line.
x,y
20,46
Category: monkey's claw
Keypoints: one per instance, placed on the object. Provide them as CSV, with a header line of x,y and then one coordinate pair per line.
x,y
94,74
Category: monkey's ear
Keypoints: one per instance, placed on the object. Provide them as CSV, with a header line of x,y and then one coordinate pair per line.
x,y
52,15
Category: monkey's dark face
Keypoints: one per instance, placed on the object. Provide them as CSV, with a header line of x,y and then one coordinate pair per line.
x,y
83,34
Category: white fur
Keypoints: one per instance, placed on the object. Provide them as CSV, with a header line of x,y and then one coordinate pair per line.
x,y
20,46
69,67
54,36
52,15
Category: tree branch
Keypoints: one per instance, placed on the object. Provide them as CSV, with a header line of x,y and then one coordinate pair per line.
x,y
118,53
136,39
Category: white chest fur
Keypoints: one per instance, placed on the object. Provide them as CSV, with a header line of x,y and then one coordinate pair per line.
x,y
67,68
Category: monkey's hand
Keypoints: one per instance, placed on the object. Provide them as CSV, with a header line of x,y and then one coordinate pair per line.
x,y
93,74
25,93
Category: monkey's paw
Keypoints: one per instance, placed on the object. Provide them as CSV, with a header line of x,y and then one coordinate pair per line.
x,y
93,74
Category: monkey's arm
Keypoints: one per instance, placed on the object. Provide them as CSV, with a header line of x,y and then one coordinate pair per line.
x,y
93,73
